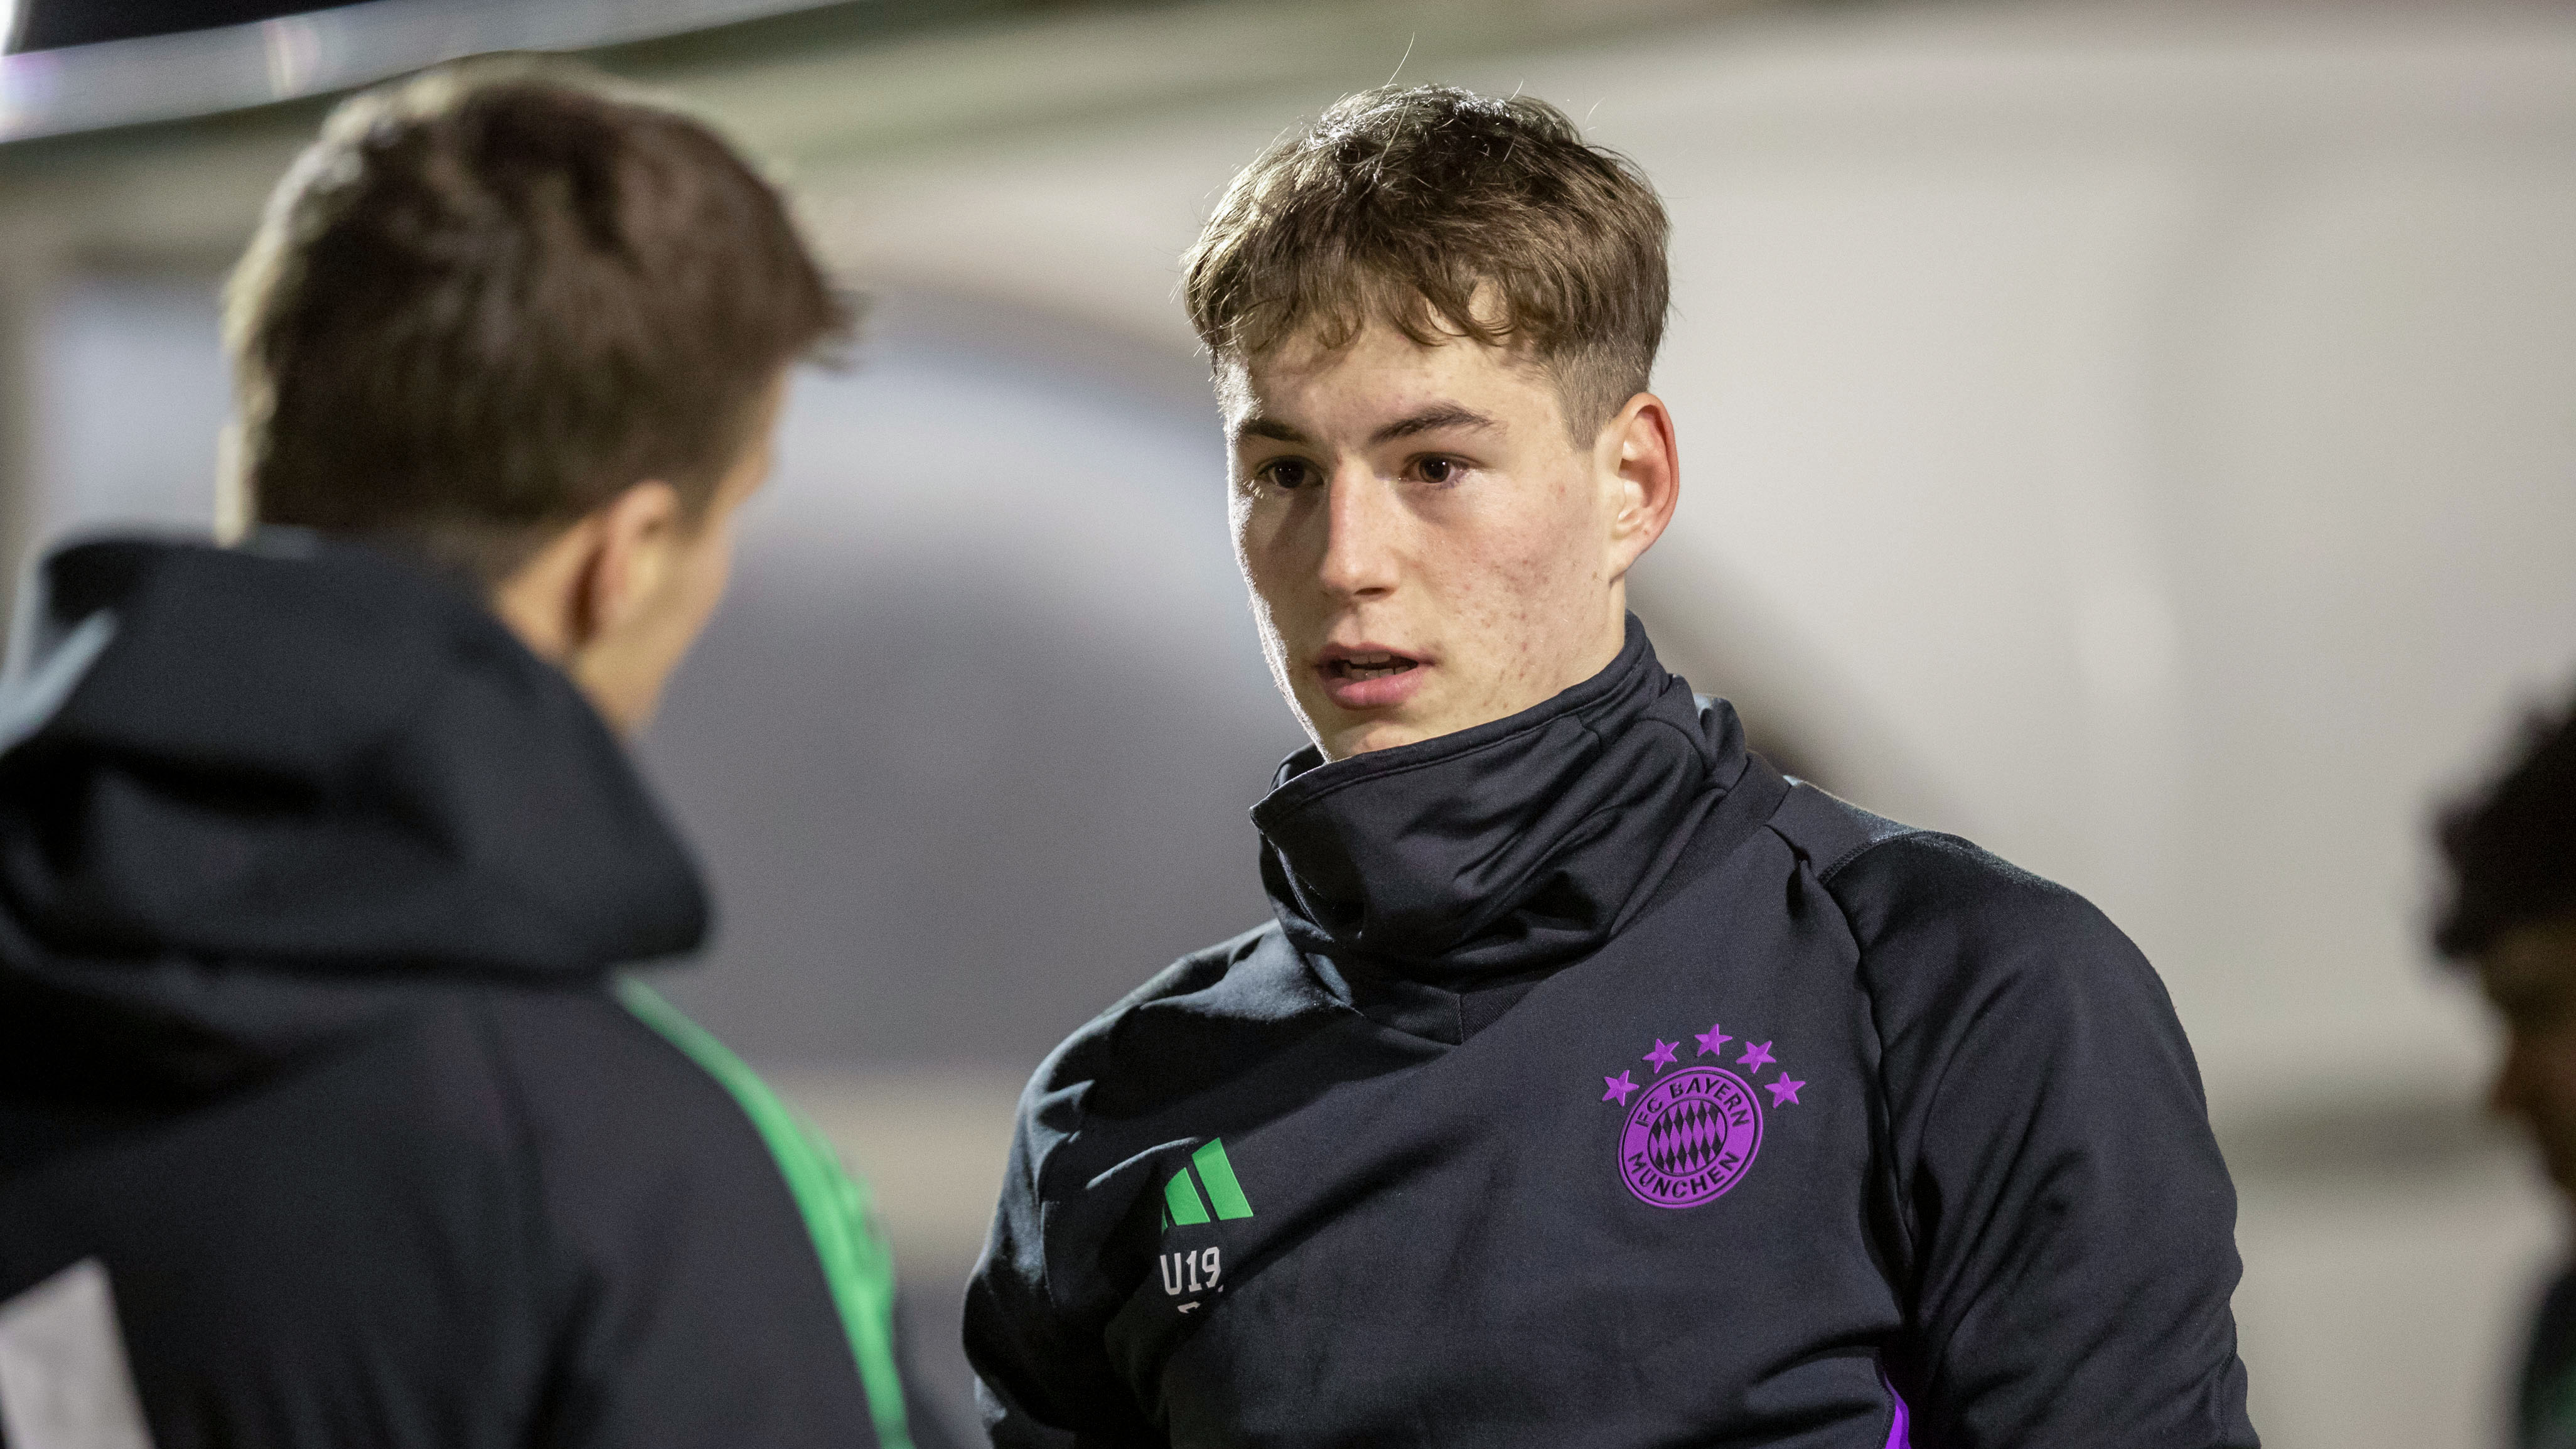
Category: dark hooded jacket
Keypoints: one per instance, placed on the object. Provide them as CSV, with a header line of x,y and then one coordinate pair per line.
x,y
1595,1085
322,1122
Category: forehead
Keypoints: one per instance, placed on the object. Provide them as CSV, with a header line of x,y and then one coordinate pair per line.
x,y
1381,373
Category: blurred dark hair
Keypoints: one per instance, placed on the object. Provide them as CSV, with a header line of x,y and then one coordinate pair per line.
x,y
1402,206
491,297
2511,847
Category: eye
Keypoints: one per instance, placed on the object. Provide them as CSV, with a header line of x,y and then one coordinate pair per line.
x,y
1288,474
1440,470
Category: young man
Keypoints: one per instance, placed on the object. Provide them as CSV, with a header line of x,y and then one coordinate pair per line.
x,y
2512,855
323,1120
1594,1084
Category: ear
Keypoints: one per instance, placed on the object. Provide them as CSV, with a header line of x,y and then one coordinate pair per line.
x,y
1640,467
634,541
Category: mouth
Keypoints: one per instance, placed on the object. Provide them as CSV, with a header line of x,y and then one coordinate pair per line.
x,y
1366,676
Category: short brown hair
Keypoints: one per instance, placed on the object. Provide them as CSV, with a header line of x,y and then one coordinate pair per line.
x,y
1436,210
493,296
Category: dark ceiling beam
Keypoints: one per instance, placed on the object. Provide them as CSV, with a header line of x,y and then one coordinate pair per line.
x,y
211,71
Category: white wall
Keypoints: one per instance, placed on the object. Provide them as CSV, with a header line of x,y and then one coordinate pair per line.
x,y
129,402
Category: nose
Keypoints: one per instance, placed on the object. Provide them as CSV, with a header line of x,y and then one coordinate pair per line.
x,y
1361,519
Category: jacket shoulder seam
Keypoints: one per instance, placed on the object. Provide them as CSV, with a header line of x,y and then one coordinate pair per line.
x,y
1862,950
1831,832
1825,875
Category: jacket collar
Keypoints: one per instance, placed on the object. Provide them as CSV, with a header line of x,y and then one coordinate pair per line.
x,y
1509,848
310,755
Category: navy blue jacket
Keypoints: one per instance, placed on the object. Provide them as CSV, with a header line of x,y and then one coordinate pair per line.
x,y
320,1121
1597,1086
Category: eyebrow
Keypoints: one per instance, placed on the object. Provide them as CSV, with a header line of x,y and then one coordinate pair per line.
x,y
1431,419
1434,419
1271,428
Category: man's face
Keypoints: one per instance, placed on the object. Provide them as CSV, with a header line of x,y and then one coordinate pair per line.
x,y
2530,976
1427,548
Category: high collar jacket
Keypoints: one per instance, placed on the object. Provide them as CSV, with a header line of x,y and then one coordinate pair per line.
x,y
1595,1085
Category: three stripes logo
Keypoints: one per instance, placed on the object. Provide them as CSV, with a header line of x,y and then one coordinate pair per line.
x,y
1183,1203
1204,1190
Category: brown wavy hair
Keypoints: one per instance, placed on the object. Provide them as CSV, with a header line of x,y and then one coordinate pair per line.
x,y
1443,213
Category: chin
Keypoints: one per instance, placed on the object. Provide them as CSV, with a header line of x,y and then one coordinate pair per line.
x,y
1371,740
1347,737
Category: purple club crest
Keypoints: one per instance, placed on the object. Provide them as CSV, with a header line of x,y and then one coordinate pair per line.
x,y
1691,1136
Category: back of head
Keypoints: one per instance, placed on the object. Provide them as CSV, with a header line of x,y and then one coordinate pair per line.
x,y
1438,211
2512,847
490,298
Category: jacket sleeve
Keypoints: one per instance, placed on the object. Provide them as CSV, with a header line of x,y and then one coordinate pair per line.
x,y
688,1303
2070,1225
1043,1375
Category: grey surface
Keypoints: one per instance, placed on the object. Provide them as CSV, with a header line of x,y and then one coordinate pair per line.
x,y
968,751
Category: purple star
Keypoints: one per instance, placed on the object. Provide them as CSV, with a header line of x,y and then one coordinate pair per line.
x,y
1711,1040
1662,1055
1784,1092
1620,1087
1756,1057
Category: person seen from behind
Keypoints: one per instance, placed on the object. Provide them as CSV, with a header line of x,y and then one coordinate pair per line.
x,y
2511,853
326,1117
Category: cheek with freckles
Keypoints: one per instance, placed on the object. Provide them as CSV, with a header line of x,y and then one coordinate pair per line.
x,y
1529,596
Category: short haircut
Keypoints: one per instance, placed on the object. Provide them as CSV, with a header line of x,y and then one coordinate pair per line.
x,y
492,297
1438,211
2511,846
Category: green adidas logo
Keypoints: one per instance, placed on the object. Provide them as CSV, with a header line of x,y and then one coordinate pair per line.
x,y
1182,1203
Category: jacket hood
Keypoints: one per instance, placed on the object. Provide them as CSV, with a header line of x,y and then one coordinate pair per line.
x,y
247,792
1513,847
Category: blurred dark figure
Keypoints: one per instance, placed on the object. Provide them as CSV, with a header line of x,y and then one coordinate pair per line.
x,y
2512,855
323,1119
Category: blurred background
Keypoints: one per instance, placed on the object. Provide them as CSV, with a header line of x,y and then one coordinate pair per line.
x,y
2138,436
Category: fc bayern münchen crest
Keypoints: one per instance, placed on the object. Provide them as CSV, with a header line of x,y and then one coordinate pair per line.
x,y
1690,1137
1693,1134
